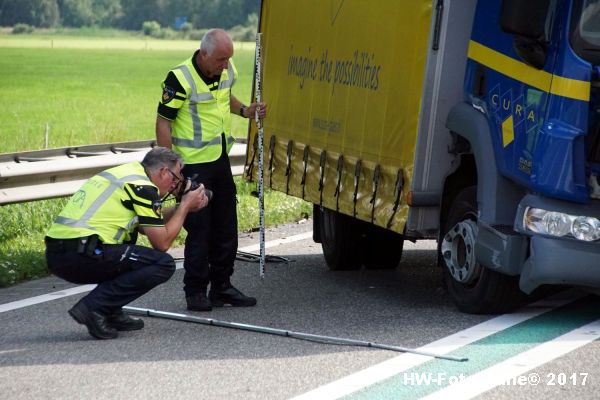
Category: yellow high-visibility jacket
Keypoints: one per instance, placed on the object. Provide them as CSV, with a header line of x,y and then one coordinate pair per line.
x,y
111,204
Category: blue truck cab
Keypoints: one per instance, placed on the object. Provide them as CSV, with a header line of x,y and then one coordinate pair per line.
x,y
531,120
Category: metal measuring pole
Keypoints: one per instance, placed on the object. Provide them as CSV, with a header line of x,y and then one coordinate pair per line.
x,y
259,125
281,332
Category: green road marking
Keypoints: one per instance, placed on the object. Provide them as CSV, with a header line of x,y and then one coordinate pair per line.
x,y
484,353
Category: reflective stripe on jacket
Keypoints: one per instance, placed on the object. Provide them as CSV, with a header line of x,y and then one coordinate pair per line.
x,y
204,115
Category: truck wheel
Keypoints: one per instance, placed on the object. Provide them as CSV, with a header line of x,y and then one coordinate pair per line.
x,y
383,248
340,240
474,288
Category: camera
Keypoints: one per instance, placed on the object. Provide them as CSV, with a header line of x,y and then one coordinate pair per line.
x,y
193,186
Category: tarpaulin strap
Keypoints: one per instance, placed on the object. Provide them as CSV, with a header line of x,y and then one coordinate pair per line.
x,y
272,142
250,169
288,167
397,191
376,174
357,171
304,166
340,170
322,165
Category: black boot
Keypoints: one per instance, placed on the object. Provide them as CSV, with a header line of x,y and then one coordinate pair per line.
x,y
223,294
198,302
123,322
96,323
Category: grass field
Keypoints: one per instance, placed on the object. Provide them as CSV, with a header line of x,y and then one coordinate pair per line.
x,y
90,95
95,90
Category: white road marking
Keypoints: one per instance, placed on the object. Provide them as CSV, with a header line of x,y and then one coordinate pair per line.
x,y
396,365
279,242
517,367
45,297
86,288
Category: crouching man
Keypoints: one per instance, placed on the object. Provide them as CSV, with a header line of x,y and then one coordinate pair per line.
x,y
93,239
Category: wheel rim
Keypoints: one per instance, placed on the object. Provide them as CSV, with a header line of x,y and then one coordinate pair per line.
x,y
458,251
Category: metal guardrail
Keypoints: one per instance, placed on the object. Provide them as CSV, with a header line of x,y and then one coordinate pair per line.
x,y
45,174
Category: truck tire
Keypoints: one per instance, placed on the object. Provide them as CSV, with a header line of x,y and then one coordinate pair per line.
x,y
340,240
474,288
382,249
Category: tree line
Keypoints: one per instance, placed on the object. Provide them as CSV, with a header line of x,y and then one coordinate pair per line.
x,y
127,14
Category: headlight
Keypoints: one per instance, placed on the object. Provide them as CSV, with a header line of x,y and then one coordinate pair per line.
x,y
560,224
586,228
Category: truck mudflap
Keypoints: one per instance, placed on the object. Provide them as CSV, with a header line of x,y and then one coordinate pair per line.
x,y
558,262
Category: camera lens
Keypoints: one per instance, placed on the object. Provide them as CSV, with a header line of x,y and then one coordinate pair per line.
x,y
194,185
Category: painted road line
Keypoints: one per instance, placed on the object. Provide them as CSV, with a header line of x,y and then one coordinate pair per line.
x,y
421,381
86,288
399,364
516,370
279,242
45,297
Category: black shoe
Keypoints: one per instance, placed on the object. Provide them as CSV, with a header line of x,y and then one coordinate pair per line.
x,y
96,323
198,302
227,294
123,322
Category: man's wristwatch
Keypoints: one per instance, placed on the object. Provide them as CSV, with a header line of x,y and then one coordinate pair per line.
x,y
242,110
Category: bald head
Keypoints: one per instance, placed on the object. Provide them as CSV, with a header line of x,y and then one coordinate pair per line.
x,y
216,49
215,39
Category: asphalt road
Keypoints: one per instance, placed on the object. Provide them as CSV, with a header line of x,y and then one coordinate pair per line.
x,y
45,354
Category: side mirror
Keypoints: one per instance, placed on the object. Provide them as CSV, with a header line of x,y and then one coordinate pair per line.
x,y
526,21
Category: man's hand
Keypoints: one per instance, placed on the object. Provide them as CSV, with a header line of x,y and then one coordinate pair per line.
x,y
194,200
250,111
161,237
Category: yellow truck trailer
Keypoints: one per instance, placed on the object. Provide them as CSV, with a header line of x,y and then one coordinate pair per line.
x,y
428,119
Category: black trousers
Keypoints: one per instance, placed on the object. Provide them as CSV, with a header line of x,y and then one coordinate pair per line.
x,y
212,238
123,273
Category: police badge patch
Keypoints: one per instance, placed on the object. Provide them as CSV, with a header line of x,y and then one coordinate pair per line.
x,y
168,94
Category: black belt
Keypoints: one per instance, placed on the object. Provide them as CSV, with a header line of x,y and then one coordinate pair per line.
x,y
61,245
76,245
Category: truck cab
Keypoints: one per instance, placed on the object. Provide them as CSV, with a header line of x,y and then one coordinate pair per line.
x,y
533,77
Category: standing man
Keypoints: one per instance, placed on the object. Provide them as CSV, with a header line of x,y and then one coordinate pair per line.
x,y
194,118
93,238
